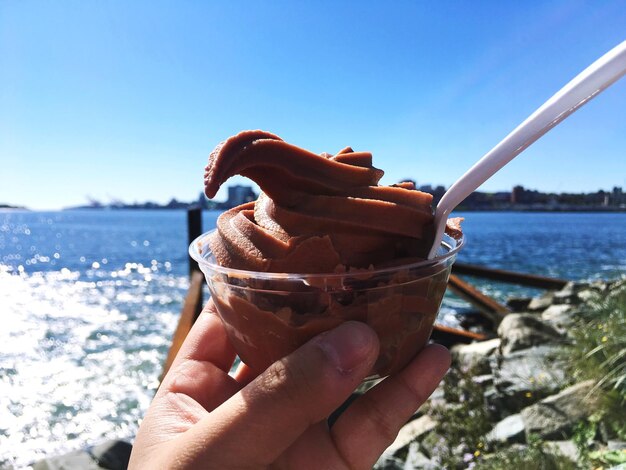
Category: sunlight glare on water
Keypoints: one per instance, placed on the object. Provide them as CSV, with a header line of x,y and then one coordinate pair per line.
x,y
80,359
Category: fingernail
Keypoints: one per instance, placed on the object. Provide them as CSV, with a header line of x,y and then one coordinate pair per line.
x,y
348,346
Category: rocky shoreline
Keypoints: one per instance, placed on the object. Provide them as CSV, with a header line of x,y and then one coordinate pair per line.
x,y
506,397
513,395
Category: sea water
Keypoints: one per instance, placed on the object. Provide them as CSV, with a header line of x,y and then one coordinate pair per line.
x,y
89,301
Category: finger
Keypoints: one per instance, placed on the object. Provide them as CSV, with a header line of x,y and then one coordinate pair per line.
x,y
313,450
200,370
376,417
207,341
260,422
202,381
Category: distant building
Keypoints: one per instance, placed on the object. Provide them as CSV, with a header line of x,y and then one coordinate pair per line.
x,y
205,203
517,195
240,194
618,197
176,204
501,197
438,193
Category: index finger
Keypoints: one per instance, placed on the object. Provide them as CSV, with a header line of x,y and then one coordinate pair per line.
x,y
207,341
376,417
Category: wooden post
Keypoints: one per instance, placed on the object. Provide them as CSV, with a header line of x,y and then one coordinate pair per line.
x,y
187,318
193,300
194,230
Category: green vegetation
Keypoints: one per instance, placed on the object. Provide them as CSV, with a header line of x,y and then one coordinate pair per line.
x,y
536,455
596,352
463,420
601,458
464,425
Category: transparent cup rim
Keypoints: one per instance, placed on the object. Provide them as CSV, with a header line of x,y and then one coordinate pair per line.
x,y
453,246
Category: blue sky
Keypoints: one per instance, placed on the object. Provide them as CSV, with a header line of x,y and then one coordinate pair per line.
x,y
126,99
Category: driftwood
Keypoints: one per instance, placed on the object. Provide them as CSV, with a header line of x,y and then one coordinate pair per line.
x,y
188,315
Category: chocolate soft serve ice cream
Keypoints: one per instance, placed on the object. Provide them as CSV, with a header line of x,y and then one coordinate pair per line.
x,y
322,244
317,213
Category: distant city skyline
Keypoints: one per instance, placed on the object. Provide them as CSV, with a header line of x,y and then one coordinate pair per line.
x,y
518,198
120,100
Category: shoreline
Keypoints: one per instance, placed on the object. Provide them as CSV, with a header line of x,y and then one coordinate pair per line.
x,y
609,210
534,395
510,210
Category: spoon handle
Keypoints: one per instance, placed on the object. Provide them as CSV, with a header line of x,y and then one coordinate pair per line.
x,y
583,88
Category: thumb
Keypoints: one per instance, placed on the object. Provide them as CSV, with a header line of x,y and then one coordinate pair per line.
x,y
257,424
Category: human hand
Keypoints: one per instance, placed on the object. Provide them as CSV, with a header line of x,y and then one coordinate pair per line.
x,y
202,418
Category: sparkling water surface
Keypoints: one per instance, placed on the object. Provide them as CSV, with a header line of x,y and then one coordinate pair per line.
x,y
89,301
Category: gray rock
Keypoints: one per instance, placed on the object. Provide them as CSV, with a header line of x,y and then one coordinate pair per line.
x,y
616,445
77,460
438,397
601,286
493,401
575,293
621,466
563,297
475,355
416,460
554,417
518,304
612,286
510,430
523,330
561,317
110,455
589,295
484,380
113,454
565,448
411,431
573,287
432,444
389,462
541,303
523,377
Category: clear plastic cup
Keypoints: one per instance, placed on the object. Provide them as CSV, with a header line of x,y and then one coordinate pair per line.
x,y
269,315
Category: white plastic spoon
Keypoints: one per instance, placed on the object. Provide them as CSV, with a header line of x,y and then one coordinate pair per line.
x,y
587,85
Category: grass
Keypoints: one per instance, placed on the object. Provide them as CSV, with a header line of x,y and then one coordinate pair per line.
x,y
598,353
536,455
463,421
